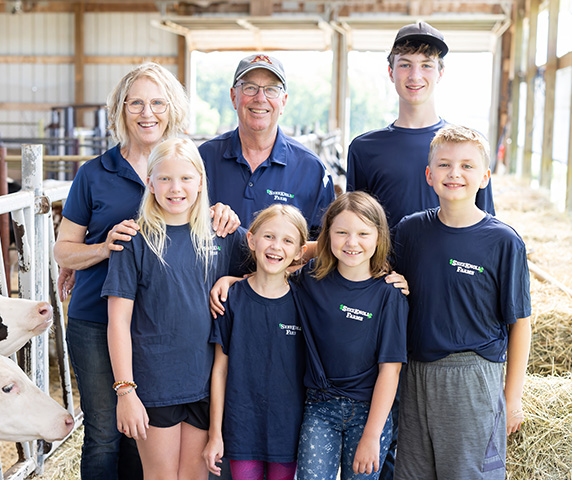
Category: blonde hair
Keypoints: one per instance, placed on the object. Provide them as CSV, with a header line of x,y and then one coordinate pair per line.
x,y
370,211
459,134
290,213
412,48
150,219
172,89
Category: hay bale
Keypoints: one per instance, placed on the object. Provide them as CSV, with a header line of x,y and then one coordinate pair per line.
x,y
551,345
542,449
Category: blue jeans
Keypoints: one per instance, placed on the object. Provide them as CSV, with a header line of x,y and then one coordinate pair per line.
x,y
105,450
330,433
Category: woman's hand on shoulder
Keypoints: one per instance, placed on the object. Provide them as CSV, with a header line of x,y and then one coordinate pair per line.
x,y
398,281
121,232
225,220
132,418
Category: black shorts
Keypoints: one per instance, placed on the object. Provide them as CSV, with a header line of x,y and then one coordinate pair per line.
x,y
196,414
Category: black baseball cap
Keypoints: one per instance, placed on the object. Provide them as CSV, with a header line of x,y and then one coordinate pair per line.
x,y
423,33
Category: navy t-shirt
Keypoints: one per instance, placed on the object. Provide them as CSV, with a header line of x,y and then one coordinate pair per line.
x,y
171,323
264,398
390,165
105,191
349,327
292,174
466,284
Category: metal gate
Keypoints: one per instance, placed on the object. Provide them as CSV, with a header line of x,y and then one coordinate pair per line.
x,y
31,211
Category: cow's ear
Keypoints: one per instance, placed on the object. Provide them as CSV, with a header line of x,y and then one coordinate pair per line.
x,y
3,330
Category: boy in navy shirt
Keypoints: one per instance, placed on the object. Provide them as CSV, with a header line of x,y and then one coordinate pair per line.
x,y
469,313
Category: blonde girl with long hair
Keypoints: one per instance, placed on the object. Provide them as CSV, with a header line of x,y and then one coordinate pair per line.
x,y
159,322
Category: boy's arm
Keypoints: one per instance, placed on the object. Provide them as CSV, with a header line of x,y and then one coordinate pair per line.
x,y
132,418
517,359
366,459
214,449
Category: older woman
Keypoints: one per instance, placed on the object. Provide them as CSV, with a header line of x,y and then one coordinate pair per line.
x,y
146,107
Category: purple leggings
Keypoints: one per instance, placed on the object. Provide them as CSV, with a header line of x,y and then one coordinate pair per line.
x,y
254,470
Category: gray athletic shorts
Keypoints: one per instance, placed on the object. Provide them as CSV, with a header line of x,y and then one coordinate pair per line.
x,y
452,420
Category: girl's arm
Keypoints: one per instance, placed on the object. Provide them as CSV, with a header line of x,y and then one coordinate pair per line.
x,y
219,294
366,459
132,418
71,251
214,450
517,359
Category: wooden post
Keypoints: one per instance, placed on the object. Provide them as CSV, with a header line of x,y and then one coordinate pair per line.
x,y
79,58
530,77
549,95
516,68
569,167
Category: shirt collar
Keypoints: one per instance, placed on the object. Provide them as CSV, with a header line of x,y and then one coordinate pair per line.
x,y
113,161
277,155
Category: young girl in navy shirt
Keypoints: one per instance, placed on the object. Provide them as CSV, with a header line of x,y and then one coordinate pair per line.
x,y
257,378
354,324
159,320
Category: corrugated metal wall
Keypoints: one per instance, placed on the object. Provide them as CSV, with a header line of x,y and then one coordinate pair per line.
x,y
51,81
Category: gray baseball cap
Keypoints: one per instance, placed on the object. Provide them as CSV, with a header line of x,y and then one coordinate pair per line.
x,y
260,61
423,33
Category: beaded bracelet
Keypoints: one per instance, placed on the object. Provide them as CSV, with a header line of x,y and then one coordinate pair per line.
x,y
120,394
123,383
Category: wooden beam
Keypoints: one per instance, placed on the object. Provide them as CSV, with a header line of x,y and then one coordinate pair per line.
x,y
549,95
261,8
530,77
134,59
39,59
28,106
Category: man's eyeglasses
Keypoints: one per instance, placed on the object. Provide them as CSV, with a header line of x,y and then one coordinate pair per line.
x,y
157,105
251,90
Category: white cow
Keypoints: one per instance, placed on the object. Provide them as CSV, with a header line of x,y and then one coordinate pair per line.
x,y
21,320
27,413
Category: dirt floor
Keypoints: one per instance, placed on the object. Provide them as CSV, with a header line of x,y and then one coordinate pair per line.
x,y
548,236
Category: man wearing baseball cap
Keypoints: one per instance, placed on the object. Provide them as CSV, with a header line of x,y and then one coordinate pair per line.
x,y
256,164
390,163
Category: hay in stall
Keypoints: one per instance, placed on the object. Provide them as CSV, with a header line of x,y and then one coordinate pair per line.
x,y
542,449
64,463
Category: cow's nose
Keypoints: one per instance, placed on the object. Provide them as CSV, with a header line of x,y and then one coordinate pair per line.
x,y
69,422
45,310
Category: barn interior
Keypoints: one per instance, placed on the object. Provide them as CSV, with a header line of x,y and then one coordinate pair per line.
x,y
60,59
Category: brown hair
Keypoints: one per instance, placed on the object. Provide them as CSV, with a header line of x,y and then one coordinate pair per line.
x,y
370,211
412,48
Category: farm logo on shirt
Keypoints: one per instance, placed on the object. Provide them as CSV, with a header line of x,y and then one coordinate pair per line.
x,y
290,329
355,313
466,268
280,196
214,249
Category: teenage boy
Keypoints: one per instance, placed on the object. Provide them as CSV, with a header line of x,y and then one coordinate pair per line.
x,y
469,314
390,163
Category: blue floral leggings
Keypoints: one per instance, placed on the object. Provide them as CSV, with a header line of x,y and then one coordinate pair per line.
x,y
329,437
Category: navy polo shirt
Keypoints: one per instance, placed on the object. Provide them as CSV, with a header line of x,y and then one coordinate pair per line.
x,y
292,174
264,399
105,191
466,284
171,320
349,327
390,165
